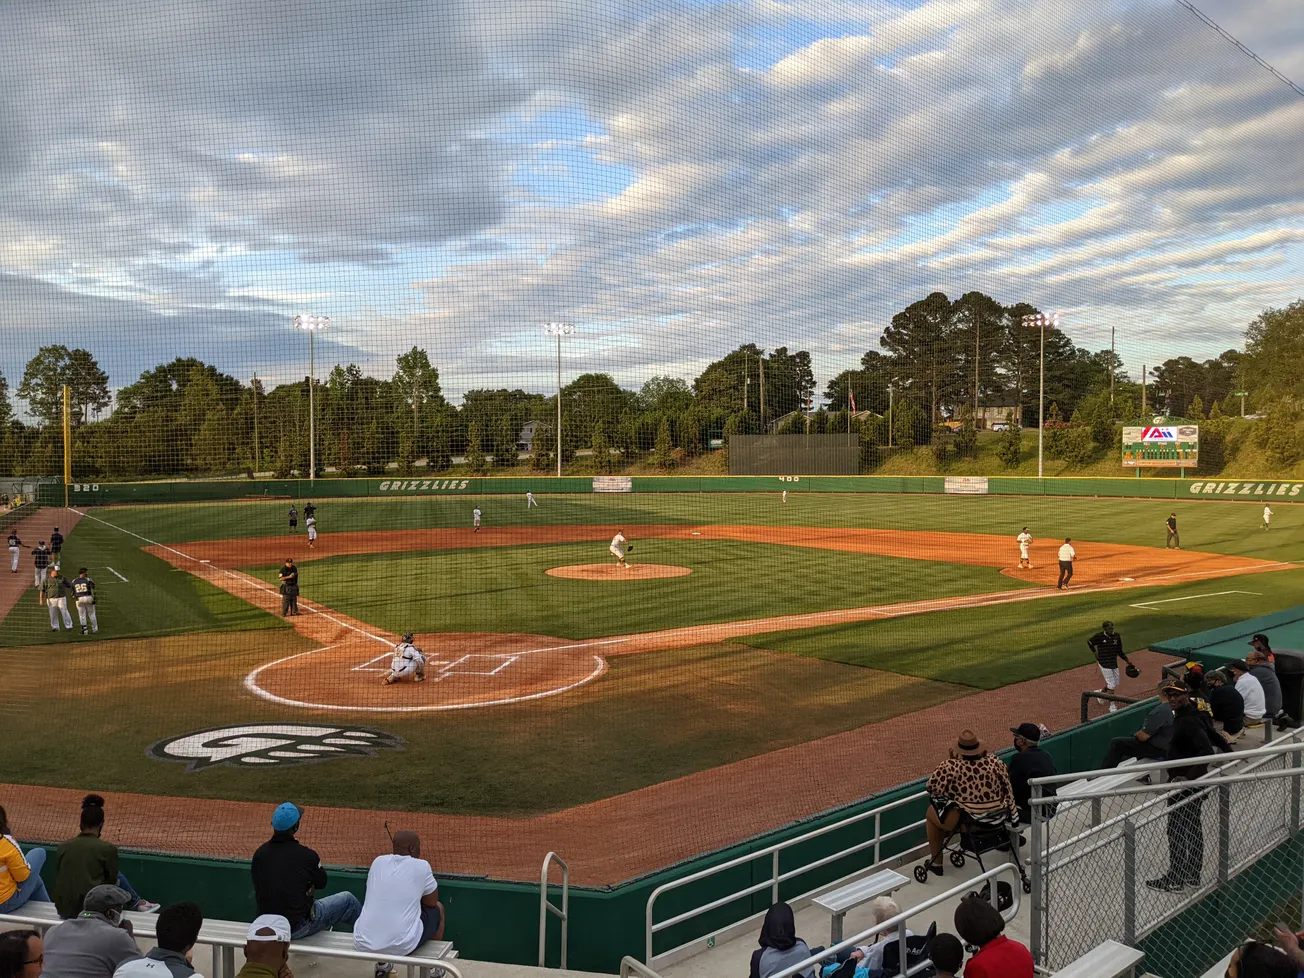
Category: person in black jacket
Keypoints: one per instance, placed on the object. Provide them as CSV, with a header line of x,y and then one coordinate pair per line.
x,y
1226,704
1190,739
286,875
1029,761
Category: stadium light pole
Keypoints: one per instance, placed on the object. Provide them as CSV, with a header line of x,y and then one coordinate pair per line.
x,y
311,325
559,330
1042,322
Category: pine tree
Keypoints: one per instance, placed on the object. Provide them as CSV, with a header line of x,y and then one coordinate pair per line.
x,y
1196,410
476,463
1010,450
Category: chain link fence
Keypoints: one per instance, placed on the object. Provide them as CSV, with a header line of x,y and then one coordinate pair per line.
x,y
1184,870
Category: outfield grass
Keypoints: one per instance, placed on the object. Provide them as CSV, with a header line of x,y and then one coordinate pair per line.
x,y
993,647
155,598
653,717
507,590
1213,525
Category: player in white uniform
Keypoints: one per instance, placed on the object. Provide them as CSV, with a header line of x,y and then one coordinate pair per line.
x,y
475,518
1267,517
785,495
530,500
311,523
617,548
1025,541
408,661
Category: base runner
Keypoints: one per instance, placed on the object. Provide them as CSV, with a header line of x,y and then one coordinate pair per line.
x,y
1107,646
618,547
1025,541
408,661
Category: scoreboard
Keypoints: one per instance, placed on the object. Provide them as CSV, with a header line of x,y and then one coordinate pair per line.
x,y
1174,447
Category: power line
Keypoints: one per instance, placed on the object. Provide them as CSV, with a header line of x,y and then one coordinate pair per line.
x,y
1246,51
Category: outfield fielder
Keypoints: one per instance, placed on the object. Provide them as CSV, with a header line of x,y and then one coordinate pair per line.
x,y
530,500
1025,541
15,549
618,547
408,661
1267,517
475,518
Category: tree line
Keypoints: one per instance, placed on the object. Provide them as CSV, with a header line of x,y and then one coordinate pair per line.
x,y
938,359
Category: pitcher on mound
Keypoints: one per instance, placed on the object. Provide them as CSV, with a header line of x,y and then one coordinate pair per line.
x,y
617,548
408,661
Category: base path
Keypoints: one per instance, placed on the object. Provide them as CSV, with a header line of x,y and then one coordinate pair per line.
x,y
31,531
670,821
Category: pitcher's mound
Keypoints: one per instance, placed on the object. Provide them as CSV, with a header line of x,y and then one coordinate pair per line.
x,y
614,572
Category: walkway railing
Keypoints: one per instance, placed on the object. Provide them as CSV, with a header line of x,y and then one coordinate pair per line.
x,y
547,907
777,875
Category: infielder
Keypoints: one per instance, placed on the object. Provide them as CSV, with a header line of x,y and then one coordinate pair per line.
x,y
1267,517
475,518
408,661
618,546
1107,646
1066,557
56,547
311,524
15,549
530,500
83,591
54,592
40,561
1025,541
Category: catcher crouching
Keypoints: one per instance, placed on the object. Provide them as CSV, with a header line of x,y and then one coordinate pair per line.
x,y
409,662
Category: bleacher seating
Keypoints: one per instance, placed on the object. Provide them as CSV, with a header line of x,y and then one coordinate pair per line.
x,y
846,898
1108,960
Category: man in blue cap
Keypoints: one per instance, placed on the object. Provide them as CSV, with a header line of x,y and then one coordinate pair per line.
x,y
286,876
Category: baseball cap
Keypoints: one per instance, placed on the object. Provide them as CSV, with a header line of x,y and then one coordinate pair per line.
x,y
1028,731
286,816
1259,638
274,922
105,897
1173,686
1239,664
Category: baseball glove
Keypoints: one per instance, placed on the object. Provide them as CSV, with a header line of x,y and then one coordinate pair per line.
x,y
629,549
1132,671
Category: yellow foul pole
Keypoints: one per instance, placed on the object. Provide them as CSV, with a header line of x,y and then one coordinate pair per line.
x,y
67,443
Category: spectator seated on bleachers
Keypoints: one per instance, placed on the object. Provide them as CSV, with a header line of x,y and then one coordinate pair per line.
x,y
20,877
286,873
870,956
175,935
980,925
947,954
1029,761
780,945
267,948
402,909
1255,960
970,783
1251,690
1226,705
87,861
1264,671
1150,743
21,954
94,943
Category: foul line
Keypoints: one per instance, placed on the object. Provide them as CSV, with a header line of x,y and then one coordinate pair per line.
x,y
1190,597
117,575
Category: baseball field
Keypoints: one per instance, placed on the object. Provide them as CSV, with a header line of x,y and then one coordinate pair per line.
x,y
832,644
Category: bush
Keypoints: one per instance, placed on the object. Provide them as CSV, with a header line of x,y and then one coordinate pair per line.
x,y
966,439
662,457
1010,450
1077,445
476,462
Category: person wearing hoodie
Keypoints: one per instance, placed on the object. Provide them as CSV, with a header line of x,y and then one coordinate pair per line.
x,y
780,945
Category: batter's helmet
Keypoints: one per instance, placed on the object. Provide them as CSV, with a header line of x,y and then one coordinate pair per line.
x,y
1132,671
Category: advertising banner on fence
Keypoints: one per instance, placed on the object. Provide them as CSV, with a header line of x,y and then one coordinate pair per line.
x,y
613,483
1287,489
1162,447
965,485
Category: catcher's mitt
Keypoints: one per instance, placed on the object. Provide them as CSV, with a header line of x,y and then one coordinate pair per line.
x,y
1132,671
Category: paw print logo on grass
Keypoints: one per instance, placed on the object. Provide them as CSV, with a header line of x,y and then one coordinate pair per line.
x,y
263,745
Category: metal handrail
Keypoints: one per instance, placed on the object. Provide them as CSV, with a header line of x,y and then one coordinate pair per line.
x,y
776,877
898,923
1094,694
546,907
633,966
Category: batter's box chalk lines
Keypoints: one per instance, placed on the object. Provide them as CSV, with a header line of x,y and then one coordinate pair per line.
x,y
251,684
1191,597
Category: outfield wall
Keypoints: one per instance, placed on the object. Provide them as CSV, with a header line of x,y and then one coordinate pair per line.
x,y
119,493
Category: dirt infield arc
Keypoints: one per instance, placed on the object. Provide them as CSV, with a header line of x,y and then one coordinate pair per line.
x,y
484,669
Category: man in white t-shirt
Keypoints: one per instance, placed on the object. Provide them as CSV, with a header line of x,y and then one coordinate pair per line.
x,y
1066,557
402,909
1251,690
1025,542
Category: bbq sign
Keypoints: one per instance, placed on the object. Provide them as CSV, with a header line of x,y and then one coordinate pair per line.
x,y
1176,447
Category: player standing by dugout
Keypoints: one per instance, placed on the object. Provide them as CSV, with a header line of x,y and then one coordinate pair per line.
x,y
1107,646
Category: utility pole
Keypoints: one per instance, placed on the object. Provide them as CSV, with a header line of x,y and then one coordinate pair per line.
x,y
1112,361
977,354
891,402
1143,393
258,451
760,366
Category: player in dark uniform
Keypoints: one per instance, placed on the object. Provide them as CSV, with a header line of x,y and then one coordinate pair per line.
x,y
15,548
1107,646
56,545
1173,541
83,590
289,588
309,510
294,520
40,560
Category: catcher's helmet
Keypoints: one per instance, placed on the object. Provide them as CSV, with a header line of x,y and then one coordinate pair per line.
x,y
1132,671
407,636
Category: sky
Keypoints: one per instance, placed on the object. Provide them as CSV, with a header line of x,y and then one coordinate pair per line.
x,y
673,176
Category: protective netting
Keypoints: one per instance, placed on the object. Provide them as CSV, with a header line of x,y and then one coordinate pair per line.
x,y
354,283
